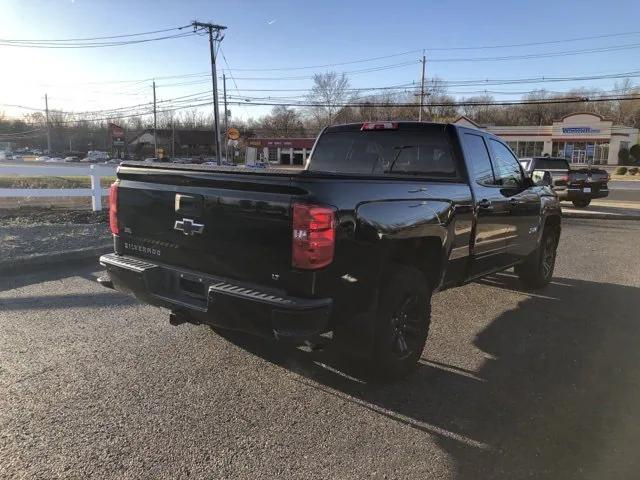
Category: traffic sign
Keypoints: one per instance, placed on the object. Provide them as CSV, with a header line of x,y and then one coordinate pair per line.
x,y
233,133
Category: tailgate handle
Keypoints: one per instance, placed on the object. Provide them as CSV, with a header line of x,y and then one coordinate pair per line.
x,y
189,204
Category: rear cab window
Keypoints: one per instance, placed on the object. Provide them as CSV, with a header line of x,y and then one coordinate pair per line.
x,y
408,149
550,164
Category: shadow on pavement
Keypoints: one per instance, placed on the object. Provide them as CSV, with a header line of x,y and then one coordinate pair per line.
x,y
557,398
27,276
108,298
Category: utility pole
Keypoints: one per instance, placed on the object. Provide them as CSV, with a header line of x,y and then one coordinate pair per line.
x,y
215,36
46,110
226,124
155,123
422,94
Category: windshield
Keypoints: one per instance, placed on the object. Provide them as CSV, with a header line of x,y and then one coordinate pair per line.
x,y
423,152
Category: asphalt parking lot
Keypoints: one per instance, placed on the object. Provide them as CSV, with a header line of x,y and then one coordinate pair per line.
x,y
511,385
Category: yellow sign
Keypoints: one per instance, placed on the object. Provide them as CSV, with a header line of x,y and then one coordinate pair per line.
x,y
233,133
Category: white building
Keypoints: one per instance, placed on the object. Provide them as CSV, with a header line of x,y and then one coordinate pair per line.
x,y
580,137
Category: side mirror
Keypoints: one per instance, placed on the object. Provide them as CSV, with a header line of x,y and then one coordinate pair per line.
x,y
541,178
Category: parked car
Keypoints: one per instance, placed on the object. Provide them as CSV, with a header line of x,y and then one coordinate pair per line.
x,y
43,158
384,215
578,186
55,160
72,159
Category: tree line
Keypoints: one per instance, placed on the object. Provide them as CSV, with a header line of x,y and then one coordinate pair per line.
x,y
332,100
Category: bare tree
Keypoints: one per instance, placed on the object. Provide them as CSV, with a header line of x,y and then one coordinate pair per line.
x,y
329,91
282,122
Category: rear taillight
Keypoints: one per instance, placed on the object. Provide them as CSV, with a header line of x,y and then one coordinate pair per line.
x,y
314,236
379,126
113,209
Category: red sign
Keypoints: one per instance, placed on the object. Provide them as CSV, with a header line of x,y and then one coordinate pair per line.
x,y
116,131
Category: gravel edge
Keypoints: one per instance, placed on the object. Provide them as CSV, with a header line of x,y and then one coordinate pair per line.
x,y
53,258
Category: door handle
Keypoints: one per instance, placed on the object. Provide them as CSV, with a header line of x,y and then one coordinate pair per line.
x,y
484,203
514,201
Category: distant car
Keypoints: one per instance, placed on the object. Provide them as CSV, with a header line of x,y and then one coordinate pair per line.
x,y
151,160
43,158
71,159
54,160
17,158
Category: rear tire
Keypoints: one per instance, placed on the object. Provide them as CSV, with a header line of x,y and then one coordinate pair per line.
x,y
537,271
402,323
581,203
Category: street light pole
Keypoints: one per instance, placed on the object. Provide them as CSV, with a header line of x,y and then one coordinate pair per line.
x,y
46,109
226,118
155,123
424,61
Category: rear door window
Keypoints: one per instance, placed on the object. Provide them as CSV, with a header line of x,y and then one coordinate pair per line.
x,y
478,158
424,152
508,171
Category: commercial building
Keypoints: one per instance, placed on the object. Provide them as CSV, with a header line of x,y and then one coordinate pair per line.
x,y
581,138
184,142
284,151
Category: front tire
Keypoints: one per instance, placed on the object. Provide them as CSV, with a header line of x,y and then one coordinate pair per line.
x,y
581,203
537,271
402,323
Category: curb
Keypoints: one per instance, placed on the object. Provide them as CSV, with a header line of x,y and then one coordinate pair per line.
x,y
600,216
45,259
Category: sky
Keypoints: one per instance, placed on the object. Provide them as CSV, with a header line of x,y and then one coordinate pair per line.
x,y
289,35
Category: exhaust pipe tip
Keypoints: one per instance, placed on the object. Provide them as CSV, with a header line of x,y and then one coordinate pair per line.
x,y
176,319
106,281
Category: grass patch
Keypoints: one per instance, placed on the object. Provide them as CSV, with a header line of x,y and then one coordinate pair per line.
x,y
52,182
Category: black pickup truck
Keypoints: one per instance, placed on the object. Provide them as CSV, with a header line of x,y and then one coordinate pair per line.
x,y
352,247
578,186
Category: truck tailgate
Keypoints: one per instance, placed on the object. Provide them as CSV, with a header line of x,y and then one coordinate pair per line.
x,y
236,225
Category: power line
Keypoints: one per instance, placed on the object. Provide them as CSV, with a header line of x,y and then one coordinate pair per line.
x,y
96,38
432,49
93,45
229,70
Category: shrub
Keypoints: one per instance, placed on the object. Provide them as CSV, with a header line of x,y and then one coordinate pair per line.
x,y
634,151
632,171
621,170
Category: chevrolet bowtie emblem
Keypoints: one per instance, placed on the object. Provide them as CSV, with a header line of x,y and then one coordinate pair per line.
x,y
188,226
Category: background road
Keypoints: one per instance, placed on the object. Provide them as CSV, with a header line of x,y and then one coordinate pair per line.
x,y
628,191
511,385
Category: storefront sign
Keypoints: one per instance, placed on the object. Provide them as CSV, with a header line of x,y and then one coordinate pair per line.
x,y
580,130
